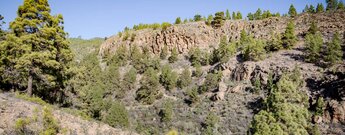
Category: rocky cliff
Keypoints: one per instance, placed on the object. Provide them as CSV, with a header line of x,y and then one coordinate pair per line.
x,y
186,36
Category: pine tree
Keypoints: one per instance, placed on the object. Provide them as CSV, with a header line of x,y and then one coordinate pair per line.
x,y
292,11
254,50
341,5
197,18
46,52
306,8
174,54
224,51
178,20
117,116
258,14
239,15
168,78
275,43
333,51
185,78
218,20
228,16
250,16
331,5
313,47
234,17
320,8
164,52
149,92
209,20
313,28
289,37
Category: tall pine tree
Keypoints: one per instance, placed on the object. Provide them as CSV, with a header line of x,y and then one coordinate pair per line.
x,y
46,53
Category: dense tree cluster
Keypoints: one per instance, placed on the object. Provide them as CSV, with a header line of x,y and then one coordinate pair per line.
x,y
218,20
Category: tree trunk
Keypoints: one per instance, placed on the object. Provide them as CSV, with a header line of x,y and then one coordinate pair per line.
x,y
29,89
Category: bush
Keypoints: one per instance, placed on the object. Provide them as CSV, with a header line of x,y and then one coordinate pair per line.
x,y
320,106
197,18
168,78
49,123
198,71
164,52
117,116
172,132
185,78
197,57
165,25
178,20
275,43
193,95
211,82
167,112
31,99
129,79
210,124
224,51
174,54
21,126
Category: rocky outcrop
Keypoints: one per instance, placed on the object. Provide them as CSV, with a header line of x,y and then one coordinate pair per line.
x,y
186,36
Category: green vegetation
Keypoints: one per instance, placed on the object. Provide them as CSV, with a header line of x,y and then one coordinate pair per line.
x,y
31,98
178,20
224,52
172,132
210,124
314,43
286,108
168,78
165,25
197,18
164,52
185,78
320,8
218,20
289,37
254,50
227,15
167,112
211,82
21,126
275,43
117,116
292,11
39,52
333,50
320,106
174,56
83,47
50,125
149,92
331,5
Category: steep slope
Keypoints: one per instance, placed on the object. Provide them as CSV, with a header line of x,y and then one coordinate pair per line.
x,y
12,109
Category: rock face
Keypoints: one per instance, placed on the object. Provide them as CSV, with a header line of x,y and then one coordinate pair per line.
x,y
186,36
11,109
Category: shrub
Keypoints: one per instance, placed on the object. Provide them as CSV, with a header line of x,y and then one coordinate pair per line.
x,y
174,54
198,71
210,124
211,82
178,20
164,52
197,18
129,79
167,112
185,78
172,132
168,78
275,43
165,25
193,95
31,99
209,20
21,126
198,57
320,106
117,116
50,126
224,51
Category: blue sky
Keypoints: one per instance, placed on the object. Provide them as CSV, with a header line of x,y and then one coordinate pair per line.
x,y
101,18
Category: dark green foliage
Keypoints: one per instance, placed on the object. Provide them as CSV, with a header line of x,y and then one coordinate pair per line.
x,y
149,90
197,18
197,57
333,50
211,82
250,16
320,8
44,63
218,20
309,9
117,116
266,14
227,15
257,85
254,50
167,111
164,52
234,17
286,109
289,37
178,20
331,5
121,56
313,43
224,51
185,78
168,78
275,43
174,56
292,11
